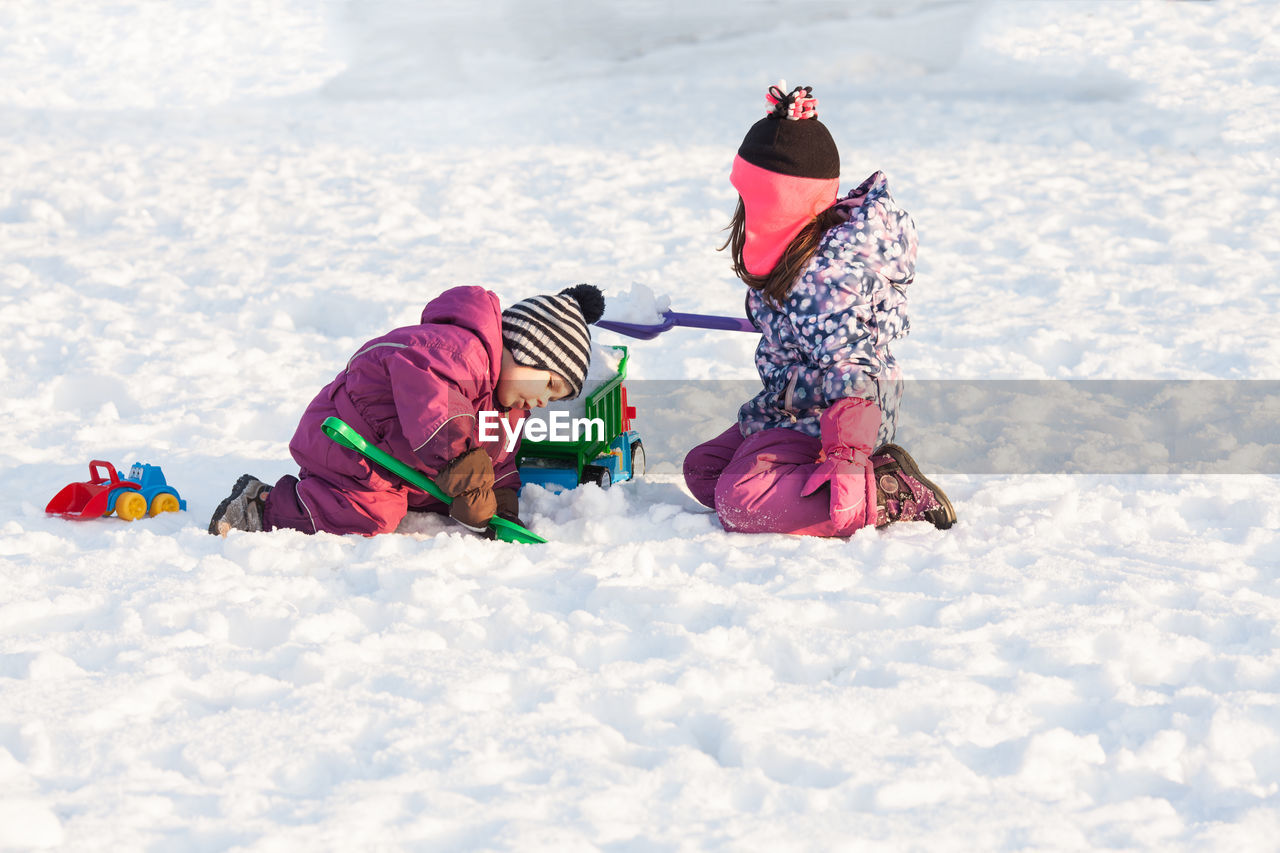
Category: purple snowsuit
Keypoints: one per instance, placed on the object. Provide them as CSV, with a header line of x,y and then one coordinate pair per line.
x,y
827,341
417,393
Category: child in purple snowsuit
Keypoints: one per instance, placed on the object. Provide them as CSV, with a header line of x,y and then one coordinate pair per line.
x,y
827,279
418,393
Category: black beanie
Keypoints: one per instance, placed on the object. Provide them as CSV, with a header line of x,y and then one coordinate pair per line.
x,y
550,332
790,140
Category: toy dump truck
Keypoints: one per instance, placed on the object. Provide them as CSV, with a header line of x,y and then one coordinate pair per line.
x,y
611,453
143,492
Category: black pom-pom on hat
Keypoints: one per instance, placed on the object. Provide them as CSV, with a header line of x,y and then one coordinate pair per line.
x,y
590,300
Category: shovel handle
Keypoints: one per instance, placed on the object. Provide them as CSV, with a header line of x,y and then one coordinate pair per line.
x,y
671,319
338,430
711,321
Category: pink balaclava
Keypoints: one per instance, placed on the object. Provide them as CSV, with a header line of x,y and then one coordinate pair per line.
x,y
787,171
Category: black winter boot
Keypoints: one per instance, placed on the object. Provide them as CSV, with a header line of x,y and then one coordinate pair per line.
x,y
242,509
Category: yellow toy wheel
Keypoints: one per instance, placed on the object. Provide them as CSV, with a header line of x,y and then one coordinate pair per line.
x,y
131,506
164,503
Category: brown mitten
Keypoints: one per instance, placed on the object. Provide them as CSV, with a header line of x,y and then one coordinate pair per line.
x,y
508,503
468,479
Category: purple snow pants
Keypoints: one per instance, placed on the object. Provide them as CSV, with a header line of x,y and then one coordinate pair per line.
x,y
314,505
754,483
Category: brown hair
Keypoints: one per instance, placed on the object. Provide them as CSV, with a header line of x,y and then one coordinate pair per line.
x,y
777,283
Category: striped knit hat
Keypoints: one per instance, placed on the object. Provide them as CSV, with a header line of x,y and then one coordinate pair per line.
x,y
550,332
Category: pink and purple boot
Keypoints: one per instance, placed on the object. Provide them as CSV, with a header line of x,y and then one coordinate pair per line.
x,y
904,494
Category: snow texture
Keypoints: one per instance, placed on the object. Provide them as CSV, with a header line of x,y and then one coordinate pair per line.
x,y
636,304
204,209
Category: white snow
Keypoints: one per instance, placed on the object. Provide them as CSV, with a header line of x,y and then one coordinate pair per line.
x,y
604,362
636,304
204,209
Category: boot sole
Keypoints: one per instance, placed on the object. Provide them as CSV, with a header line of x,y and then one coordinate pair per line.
x,y
217,526
941,518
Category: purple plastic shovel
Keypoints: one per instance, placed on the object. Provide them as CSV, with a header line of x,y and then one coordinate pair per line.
x,y
670,319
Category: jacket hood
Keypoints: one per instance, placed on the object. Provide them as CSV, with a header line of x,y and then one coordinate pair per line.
x,y
871,190
475,310
871,209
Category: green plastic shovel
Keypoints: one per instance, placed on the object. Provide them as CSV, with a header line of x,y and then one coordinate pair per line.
x,y
338,430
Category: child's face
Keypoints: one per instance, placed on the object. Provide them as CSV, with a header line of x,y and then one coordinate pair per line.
x,y
521,387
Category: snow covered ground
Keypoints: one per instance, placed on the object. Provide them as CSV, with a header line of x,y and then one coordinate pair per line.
x,y
205,207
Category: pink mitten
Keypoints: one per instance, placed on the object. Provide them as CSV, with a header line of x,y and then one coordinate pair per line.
x,y
849,430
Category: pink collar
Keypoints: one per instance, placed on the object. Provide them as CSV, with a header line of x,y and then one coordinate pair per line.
x,y
778,208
